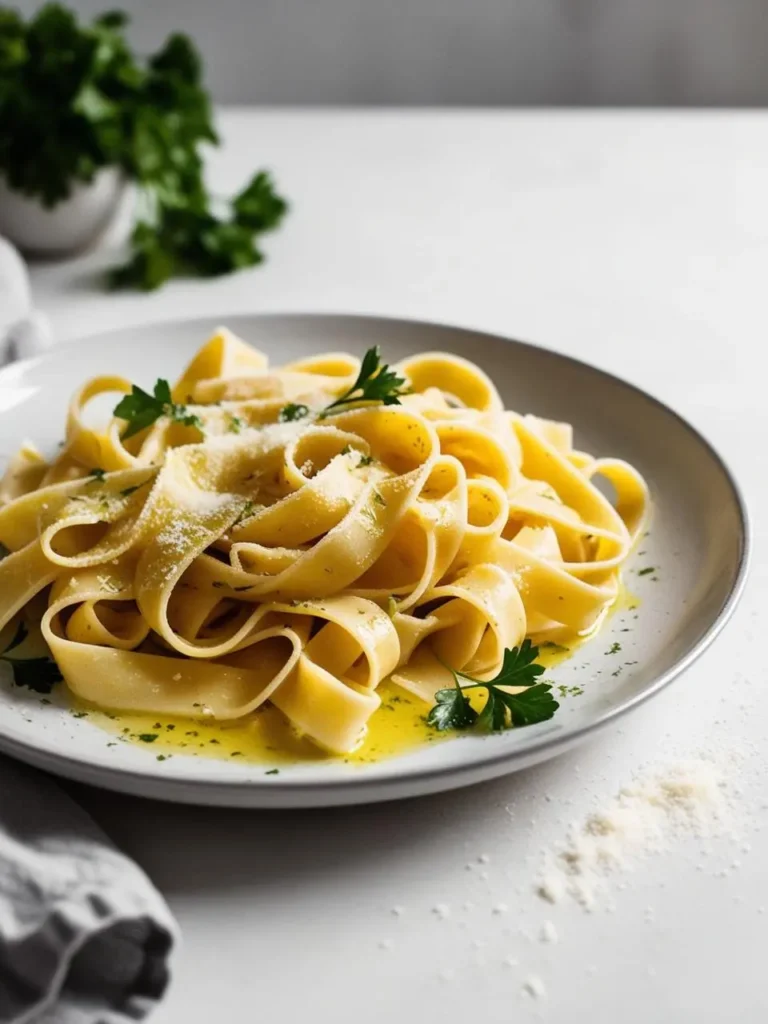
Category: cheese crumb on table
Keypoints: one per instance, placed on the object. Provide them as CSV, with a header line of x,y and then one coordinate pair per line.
x,y
548,933
534,986
688,798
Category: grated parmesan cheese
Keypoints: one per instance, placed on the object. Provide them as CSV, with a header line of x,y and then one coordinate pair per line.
x,y
548,933
534,987
642,819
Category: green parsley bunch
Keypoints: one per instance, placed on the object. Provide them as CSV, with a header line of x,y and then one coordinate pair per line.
x,y
74,99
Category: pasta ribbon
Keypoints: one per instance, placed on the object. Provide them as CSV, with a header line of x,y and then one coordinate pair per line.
x,y
248,543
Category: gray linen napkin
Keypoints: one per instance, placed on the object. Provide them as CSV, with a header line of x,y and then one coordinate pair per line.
x,y
84,936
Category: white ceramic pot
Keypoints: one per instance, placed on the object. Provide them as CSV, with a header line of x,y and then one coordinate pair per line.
x,y
72,225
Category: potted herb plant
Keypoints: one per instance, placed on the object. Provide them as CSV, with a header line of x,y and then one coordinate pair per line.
x,y
82,119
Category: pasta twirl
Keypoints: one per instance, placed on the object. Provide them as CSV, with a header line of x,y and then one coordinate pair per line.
x,y
251,545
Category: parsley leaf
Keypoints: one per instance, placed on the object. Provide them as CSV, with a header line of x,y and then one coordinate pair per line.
x,y
518,667
140,410
452,710
187,239
258,206
38,674
292,412
536,704
375,383
235,425
493,717
502,709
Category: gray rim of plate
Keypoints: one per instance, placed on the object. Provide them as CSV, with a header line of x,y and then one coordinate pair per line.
x,y
533,752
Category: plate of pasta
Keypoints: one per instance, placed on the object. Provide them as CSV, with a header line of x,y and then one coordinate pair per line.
x,y
312,560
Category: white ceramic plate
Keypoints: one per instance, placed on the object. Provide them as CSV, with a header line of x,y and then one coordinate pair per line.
x,y
698,544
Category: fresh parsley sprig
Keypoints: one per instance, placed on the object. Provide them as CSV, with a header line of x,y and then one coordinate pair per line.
x,y
140,410
75,98
502,709
38,674
376,382
188,238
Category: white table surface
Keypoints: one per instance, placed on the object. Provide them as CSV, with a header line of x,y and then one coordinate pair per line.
x,y
639,242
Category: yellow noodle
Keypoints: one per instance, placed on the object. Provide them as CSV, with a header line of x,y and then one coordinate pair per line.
x,y
219,564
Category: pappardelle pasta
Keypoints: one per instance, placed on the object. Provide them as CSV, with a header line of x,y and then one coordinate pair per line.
x,y
296,536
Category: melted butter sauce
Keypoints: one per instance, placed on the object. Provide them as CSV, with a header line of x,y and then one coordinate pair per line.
x,y
266,737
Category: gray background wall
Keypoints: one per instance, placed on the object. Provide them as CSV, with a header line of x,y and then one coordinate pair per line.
x,y
569,52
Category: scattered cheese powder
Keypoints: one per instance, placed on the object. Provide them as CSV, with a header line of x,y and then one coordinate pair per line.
x,y
534,986
548,933
688,798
